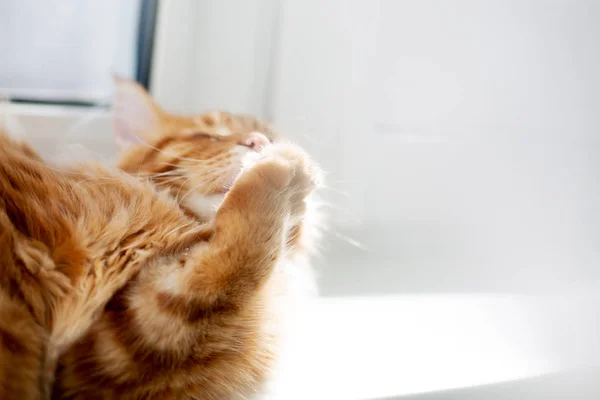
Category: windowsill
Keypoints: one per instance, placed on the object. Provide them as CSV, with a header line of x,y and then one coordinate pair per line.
x,y
377,347
52,110
51,129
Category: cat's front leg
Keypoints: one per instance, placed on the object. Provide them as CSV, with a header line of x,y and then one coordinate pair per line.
x,y
303,224
253,223
250,236
219,276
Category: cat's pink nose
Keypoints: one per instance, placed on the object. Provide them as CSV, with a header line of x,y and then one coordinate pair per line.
x,y
256,141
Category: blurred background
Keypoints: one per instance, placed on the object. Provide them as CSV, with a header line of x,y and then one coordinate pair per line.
x,y
461,140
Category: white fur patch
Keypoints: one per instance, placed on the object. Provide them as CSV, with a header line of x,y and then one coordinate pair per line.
x,y
222,130
171,284
204,206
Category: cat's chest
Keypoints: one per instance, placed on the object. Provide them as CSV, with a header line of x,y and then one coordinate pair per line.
x,y
204,207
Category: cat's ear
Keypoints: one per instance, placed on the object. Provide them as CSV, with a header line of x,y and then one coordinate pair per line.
x,y
135,116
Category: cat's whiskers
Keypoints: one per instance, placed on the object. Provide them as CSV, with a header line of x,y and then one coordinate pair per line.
x,y
181,186
346,239
105,179
184,226
159,174
171,164
333,206
162,178
176,157
200,171
164,151
175,179
338,191
190,191
213,179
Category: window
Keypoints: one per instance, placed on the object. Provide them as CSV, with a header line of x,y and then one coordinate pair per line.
x,y
69,57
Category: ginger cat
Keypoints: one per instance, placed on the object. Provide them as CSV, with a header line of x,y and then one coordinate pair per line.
x,y
204,326
69,240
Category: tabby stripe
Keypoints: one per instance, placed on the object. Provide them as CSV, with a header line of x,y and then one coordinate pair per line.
x,y
193,310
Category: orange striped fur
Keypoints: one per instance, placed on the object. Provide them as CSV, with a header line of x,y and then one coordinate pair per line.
x,y
69,241
204,326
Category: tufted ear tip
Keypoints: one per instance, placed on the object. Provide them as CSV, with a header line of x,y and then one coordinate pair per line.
x,y
135,116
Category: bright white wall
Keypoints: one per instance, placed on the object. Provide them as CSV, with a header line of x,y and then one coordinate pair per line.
x,y
466,133
214,55
403,84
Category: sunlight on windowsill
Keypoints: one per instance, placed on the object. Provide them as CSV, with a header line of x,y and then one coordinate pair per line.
x,y
374,347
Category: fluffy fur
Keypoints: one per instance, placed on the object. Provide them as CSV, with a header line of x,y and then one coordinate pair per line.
x,y
69,240
205,325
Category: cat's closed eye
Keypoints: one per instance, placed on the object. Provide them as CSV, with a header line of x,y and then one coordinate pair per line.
x,y
204,135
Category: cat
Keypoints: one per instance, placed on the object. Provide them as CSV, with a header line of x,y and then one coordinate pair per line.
x,y
207,326
69,241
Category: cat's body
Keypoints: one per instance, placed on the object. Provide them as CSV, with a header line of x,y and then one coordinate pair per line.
x,y
68,242
206,328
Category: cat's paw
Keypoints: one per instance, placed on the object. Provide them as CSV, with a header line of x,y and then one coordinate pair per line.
x,y
307,174
266,171
261,188
287,169
275,171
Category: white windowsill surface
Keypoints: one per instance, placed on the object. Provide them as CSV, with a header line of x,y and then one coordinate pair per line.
x,y
380,347
54,129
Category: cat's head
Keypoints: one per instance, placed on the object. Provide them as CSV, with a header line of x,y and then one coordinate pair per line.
x,y
196,157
